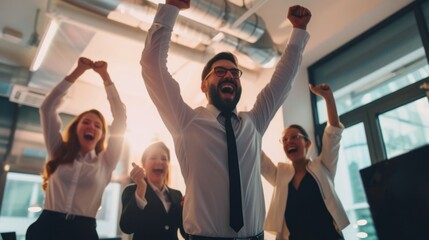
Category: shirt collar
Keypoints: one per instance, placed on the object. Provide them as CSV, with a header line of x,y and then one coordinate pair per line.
x,y
155,189
91,155
215,111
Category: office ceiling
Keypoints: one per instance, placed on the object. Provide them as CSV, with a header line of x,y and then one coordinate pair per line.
x,y
98,30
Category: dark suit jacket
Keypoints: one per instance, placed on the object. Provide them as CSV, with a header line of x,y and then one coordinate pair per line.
x,y
152,222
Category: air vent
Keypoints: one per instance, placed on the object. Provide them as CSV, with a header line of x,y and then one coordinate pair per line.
x,y
32,97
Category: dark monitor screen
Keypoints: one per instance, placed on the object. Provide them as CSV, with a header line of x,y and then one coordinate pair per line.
x,y
397,191
8,236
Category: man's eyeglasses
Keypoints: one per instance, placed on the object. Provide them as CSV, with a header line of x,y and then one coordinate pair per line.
x,y
221,72
292,137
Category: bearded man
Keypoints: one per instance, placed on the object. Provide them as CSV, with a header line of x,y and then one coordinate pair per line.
x,y
218,148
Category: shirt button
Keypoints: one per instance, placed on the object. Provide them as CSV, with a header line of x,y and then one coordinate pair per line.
x,y
166,227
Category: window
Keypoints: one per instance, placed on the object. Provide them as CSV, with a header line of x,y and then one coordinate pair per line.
x,y
406,127
382,62
376,79
354,155
22,202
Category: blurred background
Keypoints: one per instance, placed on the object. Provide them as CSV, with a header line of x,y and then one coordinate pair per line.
x,y
372,53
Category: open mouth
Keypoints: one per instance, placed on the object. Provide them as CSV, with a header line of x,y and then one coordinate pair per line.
x,y
158,170
88,136
292,150
227,88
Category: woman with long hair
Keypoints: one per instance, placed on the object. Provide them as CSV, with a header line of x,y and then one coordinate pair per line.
x,y
80,164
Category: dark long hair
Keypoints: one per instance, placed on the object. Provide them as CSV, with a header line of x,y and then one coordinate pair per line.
x,y
70,147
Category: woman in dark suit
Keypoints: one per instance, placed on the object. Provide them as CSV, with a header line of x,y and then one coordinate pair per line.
x,y
150,209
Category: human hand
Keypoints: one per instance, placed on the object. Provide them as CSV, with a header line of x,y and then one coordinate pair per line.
x,y
181,4
84,63
322,90
100,67
299,16
138,175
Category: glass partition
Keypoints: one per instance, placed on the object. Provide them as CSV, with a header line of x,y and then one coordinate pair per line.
x,y
354,156
405,128
379,63
23,202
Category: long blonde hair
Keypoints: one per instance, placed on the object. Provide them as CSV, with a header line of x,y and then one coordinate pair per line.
x,y
70,147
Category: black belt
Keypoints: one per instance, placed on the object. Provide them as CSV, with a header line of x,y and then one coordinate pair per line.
x,y
65,216
260,236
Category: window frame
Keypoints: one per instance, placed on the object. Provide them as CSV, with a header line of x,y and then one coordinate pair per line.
x,y
368,114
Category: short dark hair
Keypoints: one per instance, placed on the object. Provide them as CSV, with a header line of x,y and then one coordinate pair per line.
x,y
220,56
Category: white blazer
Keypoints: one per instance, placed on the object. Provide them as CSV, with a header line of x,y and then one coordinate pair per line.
x,y
322,168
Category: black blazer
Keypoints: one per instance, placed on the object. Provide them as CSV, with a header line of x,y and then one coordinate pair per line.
x,y
152,222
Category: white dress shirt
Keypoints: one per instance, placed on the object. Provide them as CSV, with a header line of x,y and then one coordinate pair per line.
x,y
78,188
200,139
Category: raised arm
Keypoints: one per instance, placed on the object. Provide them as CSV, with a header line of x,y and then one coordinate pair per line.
x,y
277,90
50,120
325,92
332,135
163,89
299,16
118,127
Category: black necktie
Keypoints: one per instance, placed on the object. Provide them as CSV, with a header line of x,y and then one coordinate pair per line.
x,y
235,209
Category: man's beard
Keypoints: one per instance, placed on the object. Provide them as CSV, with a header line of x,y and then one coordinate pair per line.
x,y
226,104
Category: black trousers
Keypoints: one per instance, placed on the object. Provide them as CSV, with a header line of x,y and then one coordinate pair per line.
x,y
55,225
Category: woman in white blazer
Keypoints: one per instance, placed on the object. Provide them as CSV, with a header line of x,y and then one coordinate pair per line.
x,y
304,205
